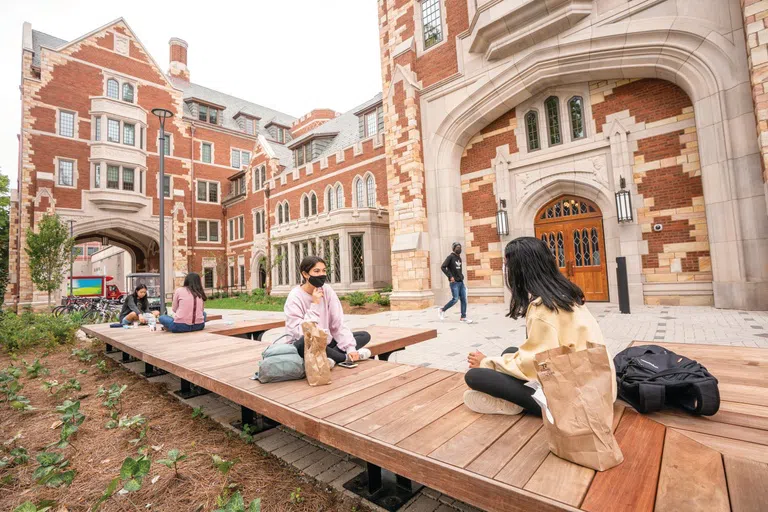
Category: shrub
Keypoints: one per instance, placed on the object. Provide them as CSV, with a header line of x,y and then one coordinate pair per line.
x,y
259,293
21,332
357,299
383,300
387,289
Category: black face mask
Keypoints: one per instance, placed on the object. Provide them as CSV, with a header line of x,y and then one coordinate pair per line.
x,y
317,281
457,250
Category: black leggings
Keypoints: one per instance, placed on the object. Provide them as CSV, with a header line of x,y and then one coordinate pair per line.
x,y
503,386
361,339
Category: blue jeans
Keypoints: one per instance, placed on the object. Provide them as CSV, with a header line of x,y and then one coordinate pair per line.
x,y
171,326
459,292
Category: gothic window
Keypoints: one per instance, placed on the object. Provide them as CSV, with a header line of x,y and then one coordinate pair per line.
x,y
552,108
576,112
532,130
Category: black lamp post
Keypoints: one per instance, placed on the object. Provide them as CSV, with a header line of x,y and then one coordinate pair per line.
x,y
162,114
623,202
71,256
502,220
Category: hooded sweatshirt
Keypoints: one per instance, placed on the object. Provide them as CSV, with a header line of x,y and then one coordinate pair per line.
x,y
452,267
328,315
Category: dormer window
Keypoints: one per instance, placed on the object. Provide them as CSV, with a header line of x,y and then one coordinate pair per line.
x,y
208,114
303,154
280,135
250,128
371,122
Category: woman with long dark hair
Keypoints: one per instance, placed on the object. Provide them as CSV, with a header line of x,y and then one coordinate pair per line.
x,y
188,306
315,301
136,306
555,315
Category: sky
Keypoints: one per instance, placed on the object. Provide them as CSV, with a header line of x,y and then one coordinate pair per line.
x,y
290,55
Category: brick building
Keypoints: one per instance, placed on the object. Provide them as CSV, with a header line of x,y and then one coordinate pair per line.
x,y
89,151
543,110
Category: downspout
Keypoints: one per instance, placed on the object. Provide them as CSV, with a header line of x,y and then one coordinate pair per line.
x,y
193,198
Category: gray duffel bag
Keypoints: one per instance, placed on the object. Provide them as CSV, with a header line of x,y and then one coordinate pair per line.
x,y
280,362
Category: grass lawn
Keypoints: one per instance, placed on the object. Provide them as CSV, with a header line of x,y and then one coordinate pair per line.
x,y
271,304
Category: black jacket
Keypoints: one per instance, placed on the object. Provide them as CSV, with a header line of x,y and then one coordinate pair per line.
x,y
139,306
452,267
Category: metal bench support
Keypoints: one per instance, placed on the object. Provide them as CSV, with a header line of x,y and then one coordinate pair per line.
x,y
189,390
385,355
150,371
109,349
382,487
128,358
258,422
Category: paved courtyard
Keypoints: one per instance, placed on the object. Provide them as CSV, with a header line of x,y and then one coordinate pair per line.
x,y
492,332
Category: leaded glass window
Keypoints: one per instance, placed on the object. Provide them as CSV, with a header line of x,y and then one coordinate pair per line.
x,y
313,203
552,108
213,230
206,152
595,247
358,259
213,192
577,248
167,186
532,130
129,134
66,124
113,130
66,173
97,129
330,199
235,159
371,191
113,177
306,206
431,22
567,207
128,92
336,260
128,178
339,197
97,175
113,89
576,112
359,193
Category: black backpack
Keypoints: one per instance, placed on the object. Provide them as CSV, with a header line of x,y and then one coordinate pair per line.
x,y
649,376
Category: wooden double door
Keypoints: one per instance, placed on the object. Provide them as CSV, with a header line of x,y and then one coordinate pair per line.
x,y
572,228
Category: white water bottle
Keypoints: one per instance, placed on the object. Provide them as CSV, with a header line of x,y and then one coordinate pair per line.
x,y
152,321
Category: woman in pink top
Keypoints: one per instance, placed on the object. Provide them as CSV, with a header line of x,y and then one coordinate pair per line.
x,y
188,305
315,301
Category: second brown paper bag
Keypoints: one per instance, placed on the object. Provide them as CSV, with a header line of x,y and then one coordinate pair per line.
x,y
578,386
315,360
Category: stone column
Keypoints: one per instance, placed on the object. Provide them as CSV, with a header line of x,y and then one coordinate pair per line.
x,y
756,29
411,281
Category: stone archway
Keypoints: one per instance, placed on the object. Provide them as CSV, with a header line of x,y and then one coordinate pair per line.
x,y
703,63
258,272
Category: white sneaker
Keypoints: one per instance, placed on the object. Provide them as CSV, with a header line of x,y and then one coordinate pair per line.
x,y
331,363
364,354
441,314
486,404
467,321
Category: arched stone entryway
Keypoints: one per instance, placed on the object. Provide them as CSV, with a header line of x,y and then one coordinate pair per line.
x,y
707,66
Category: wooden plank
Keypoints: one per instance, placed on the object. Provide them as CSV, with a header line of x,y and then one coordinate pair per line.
x,y
743,374
746,415
372,393
244,327
440,431
755,356
641,440
420,400
747,484
681,420
389,338
691,477
348,415
744,394
734,447
278,390
411,420
340,379
359,385
503,449
469,443
524,464
561,480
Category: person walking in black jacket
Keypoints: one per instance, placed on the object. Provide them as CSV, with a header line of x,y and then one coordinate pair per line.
x,y
452,268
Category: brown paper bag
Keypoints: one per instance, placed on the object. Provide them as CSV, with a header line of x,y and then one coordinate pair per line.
x,y
579,395
315,361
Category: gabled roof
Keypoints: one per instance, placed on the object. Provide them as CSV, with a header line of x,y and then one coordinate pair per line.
x,y
232,105
42,39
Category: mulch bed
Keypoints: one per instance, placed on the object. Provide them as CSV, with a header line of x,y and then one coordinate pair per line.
x,y
97,453
370,308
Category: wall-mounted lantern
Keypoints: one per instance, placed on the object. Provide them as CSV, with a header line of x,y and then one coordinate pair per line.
x,y
502,220
623,202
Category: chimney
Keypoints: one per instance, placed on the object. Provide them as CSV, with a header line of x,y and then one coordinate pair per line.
x,y
178,65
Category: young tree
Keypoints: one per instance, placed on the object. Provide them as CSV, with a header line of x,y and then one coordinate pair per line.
x,y
49,250
5,227
268,267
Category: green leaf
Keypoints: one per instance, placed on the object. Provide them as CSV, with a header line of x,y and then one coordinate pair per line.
x,y
143,466
173,454
48,458
255,505
27,506
128,469
132,485
45,505
112,487
165,462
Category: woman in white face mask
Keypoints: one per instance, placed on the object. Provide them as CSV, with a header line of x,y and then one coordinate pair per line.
x,y
315,301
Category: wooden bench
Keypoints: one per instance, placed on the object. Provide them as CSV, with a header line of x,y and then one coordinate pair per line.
x,y
412,421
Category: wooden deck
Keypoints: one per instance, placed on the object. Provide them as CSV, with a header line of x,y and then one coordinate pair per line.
x,y
412,421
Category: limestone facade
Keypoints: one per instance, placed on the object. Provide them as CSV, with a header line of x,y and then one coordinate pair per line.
x,y
667,104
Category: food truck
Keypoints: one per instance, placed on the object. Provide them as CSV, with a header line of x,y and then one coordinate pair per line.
x,y
95,286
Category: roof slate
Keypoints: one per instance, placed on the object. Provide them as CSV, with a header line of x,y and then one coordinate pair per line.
x,y
42,39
